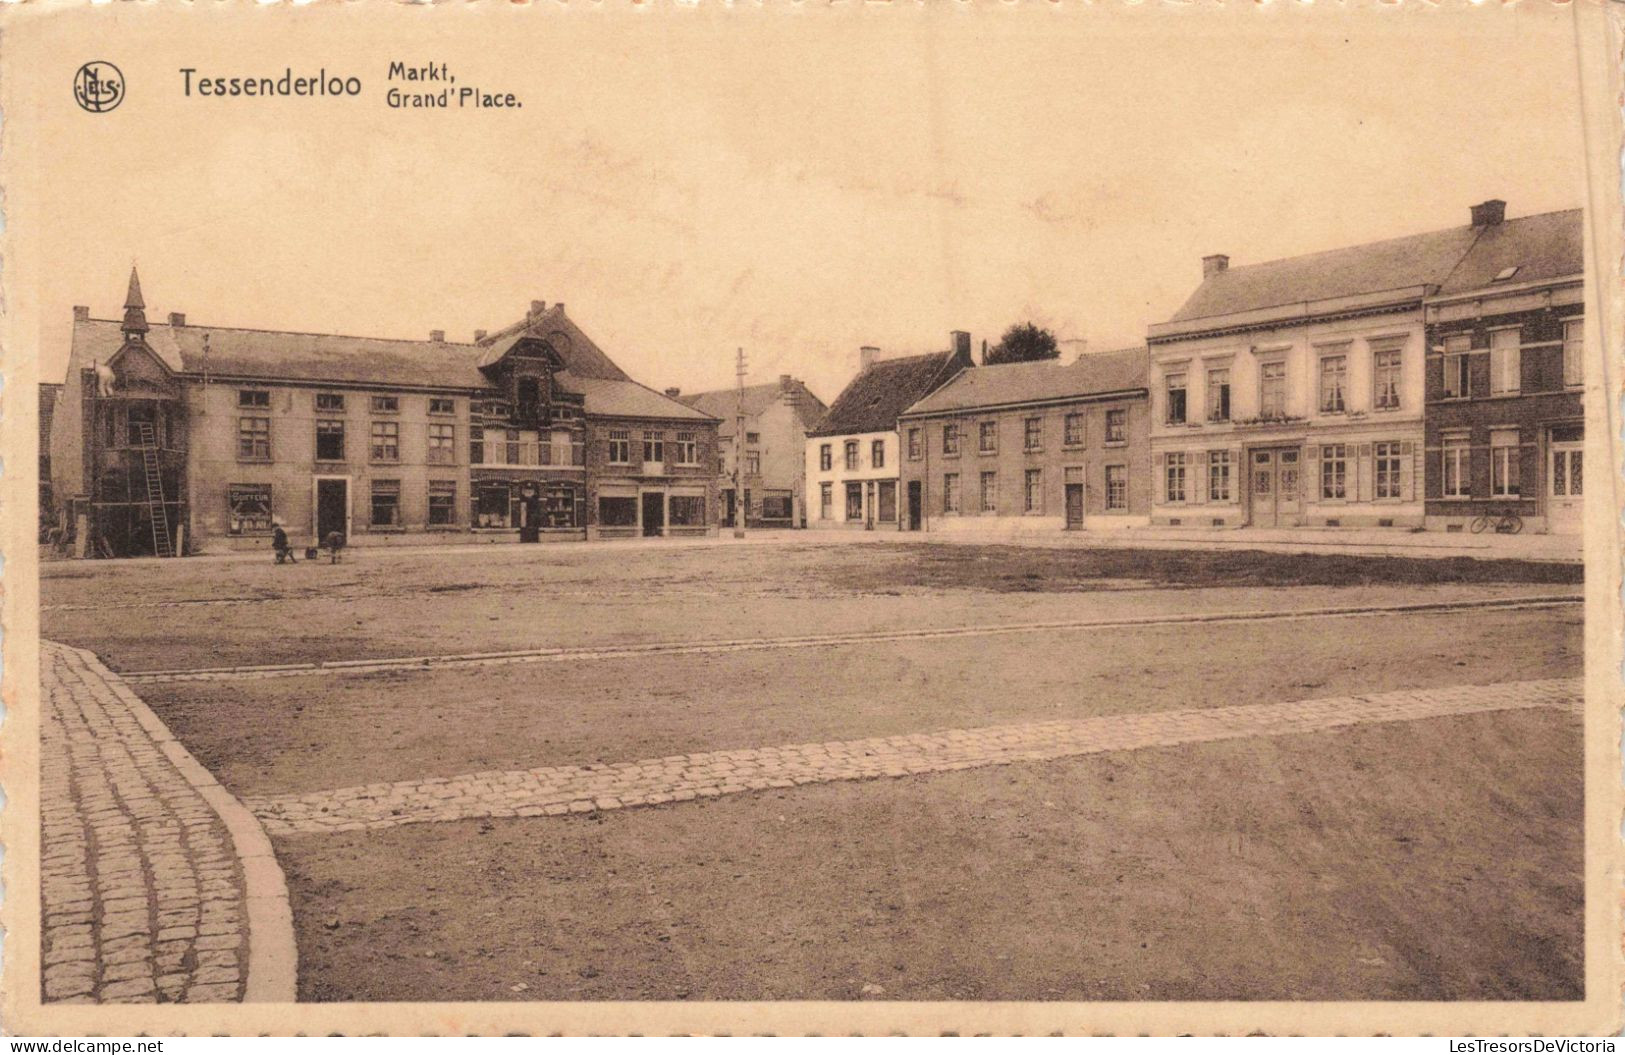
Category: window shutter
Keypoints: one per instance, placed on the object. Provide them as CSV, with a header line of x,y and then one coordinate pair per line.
x,y
1410,466
1198,485
1365,475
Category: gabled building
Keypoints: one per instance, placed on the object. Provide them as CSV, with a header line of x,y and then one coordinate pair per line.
x,y
1505,416
1292,392
1032,446
777,418
854,456
175,438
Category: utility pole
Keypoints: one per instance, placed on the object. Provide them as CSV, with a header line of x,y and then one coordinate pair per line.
x,y
739,451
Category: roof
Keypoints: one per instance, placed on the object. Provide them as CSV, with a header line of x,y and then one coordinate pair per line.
x,y
1550,245
987,387
335,359
723,404
877,397
581,356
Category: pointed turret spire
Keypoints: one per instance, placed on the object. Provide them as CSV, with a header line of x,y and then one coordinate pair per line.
x,y
135,318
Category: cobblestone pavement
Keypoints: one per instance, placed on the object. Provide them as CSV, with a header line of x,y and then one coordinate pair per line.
x,y
143,893
553,791
708,647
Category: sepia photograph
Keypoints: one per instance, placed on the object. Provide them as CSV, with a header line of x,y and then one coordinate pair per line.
x,y
939,517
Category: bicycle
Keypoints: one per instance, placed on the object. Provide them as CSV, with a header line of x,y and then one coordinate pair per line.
x,y
1505,523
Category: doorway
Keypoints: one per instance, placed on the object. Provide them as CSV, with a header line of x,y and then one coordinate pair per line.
x,y
332,508
1565,479
1276,487
914,505
654,513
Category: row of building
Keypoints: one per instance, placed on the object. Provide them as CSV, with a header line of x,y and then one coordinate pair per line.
x,y
1416,382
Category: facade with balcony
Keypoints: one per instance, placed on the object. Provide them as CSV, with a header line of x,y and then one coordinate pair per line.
x,y
511,437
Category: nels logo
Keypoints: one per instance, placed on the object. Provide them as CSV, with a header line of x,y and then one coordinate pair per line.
x,y
98,87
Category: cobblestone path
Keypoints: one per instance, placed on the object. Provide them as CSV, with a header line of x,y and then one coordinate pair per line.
x,y
553,791
143,890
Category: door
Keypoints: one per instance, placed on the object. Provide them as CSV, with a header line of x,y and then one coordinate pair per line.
x,y
332,509
1074,506
728,507
654,512
1276,485
530,513
888,502
914,504
1565,479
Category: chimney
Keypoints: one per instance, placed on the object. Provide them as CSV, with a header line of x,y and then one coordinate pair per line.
x,y
81,313
866,357
437,336
479,335
674,392
537,307
786,382
1489,213
962,345
177,318
1212,265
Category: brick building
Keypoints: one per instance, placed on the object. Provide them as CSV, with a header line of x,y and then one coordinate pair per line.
x,y
175,438
1043,445
777,418
1505,418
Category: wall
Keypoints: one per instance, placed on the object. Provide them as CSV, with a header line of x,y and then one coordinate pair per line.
x,y
608,479
838,475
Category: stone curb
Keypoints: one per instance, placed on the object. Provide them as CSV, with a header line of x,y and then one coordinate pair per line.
x,y
602,652
273,957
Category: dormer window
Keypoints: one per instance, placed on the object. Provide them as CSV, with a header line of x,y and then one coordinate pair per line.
x,y
528,394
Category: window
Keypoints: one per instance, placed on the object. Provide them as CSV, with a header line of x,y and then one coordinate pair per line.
x,y
442,502
1117,426
1272,389
950,492
1574,352
950,439
1173,479
877,454
1455,366
1568,462
1334,376
854,501
249,508
442,444
1072,432
654,447
476,446
510,447
1387,468
826,501
688,451
753,463
1174,394
1456,474
1218,476
753,437
617,512
253,397
620,447
386,503
1218,393
987,437
1505,362
386,441
1334,470
990,492
330,401
385,404
850,452
1032,434
1504,463
330,441
1385,366
1116,488
1032,495
688,510
825,458
442,405
254,439
914,445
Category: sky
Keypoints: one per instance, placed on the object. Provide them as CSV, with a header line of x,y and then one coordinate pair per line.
x,y
793,181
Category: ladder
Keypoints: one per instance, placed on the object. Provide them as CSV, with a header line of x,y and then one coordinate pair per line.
x,y
155,493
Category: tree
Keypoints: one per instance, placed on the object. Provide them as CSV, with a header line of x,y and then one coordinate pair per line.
x,y
1025,343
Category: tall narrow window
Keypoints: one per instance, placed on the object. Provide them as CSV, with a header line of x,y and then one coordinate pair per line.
x,y
825,458
1218,476
620,446
1272,389
1505,362
1173,480
1116,488
1385,367
654,447
1334,376
1334,471
950,439
877,454
1387,469
1073,433
688,450
1456,460
854,501
913,445
1218,393
826,501
1504,454
990,492
1033,491
1574,352
1456,376
1032,434
849,452
987,434
1117,426
753,463
1174,398
950,492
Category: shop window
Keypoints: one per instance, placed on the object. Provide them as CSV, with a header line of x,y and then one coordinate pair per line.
x,y
689,510
442,502
617,512
492,506
558,506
